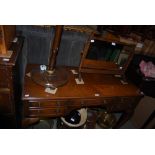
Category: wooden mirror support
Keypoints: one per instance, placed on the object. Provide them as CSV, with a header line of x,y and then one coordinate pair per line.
x,y
106,54
53,76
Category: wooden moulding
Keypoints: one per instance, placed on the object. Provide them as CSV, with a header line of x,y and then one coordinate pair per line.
x,y
7,34
96,64
80,28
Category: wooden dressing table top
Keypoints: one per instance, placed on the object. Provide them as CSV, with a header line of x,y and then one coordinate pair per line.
x,y
100,84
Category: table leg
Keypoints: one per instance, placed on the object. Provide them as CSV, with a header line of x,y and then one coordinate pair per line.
x,y
124,118
29,121
151,117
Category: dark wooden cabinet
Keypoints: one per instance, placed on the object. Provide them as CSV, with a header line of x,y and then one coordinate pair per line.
x,y
9,87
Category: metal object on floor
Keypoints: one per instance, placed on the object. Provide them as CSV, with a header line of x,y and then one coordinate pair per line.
x,y
106,120
83,118
92,115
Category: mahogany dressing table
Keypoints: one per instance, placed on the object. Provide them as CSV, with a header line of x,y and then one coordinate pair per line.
x,y
98,90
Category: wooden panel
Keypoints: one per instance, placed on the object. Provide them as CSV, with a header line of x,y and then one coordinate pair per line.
x,y
105,85
4,78
80,28
7,34
53,107
46,112
5,100
96,64
104,71
46,108
2,41
45,104
9,87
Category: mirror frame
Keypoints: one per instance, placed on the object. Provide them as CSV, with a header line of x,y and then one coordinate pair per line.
x,y
101,66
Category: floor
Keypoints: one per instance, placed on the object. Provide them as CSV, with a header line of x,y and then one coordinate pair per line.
x,y
52,124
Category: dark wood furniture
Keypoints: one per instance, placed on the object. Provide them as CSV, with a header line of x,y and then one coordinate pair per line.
x,y
9,85
7,34
107,54
98,91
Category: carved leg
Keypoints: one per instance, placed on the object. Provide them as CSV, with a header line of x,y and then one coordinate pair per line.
x,y
124,118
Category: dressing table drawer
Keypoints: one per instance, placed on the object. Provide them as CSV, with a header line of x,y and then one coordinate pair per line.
x,y
44,104
46,112
46,109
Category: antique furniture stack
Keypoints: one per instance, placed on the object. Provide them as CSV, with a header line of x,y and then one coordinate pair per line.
x,y
9,79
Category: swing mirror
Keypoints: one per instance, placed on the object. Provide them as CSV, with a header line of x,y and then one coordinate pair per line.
x,y
105,56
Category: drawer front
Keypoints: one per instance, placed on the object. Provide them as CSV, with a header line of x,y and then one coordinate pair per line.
x,y
46,109
99,102
51,108
5,103
44,104
46,112
59,108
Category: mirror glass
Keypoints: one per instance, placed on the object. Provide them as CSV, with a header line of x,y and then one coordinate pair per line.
x,y
108,52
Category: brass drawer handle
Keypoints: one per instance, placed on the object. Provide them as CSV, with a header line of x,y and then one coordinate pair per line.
x,y
4,90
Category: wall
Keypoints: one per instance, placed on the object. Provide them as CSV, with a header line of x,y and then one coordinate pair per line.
x,y
37,45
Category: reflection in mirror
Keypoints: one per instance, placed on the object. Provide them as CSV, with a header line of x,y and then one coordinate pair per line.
x,y
108,51
106,55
